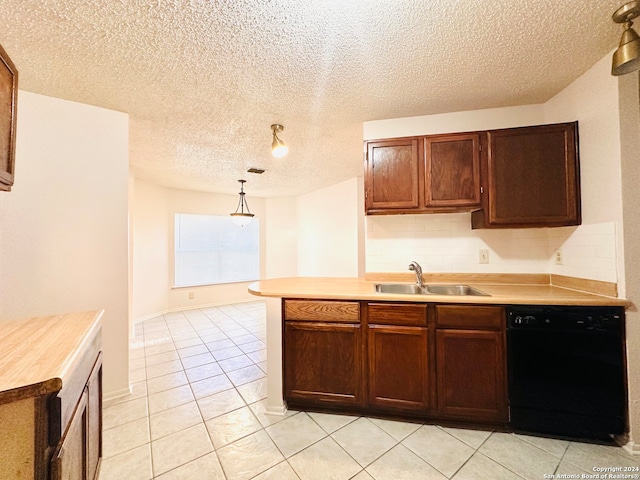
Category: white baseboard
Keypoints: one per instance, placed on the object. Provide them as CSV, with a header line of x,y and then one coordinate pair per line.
x,y
279,411
117,394
632,447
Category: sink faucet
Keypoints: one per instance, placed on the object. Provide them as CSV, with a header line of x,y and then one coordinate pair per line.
x,y
415,267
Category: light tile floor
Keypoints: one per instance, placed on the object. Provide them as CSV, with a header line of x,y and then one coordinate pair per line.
x,y
196,412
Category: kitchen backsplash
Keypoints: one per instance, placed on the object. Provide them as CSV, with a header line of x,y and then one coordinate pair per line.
x,y
588,251
446,243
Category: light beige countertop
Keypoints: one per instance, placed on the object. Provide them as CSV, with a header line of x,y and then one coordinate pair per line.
x,y
37,354
503,289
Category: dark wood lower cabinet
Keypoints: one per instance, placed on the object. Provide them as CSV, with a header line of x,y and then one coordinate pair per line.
x,y
471,375
77,456
398,367
403,359
94,421
70,458
323,363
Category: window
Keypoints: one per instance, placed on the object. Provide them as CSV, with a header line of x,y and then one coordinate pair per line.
x,y
211,249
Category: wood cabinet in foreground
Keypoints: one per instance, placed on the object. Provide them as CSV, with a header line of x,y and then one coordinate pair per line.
x,y
51,398
78,454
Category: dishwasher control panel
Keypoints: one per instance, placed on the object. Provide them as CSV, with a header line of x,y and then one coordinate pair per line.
x,y
569,318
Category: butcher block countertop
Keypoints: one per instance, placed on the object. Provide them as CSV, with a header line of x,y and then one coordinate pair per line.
x,y
503,289
37,354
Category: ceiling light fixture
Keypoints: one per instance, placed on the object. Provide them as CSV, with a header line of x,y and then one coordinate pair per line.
x,y
626,58
239,216
278,148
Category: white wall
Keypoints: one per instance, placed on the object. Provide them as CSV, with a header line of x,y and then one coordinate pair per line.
x,y
63,242
153,269
630,152
328,233
468,121
319,234
595,249
282,237
183,201
150,253
446,243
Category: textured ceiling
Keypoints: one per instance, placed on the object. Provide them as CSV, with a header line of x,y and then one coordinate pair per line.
x,y
203,80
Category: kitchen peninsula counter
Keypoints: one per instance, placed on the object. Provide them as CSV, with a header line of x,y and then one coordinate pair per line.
x,y
504,289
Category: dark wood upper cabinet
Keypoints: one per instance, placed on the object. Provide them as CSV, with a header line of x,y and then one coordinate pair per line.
x,y
509,178
8,106
392,174
423,174
532,178
452,174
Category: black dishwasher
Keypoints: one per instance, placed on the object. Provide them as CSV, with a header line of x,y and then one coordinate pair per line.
x,y
566,368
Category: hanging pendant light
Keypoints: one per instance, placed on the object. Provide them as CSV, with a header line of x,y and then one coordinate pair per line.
x,y
626,58
240,217
278,148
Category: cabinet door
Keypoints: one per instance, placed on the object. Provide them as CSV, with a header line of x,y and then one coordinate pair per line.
x,y
323,363
94,419
69,461
392,174
533,176
452,175
398,367
471,375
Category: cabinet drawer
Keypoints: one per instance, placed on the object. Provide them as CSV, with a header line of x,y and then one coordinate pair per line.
x,y
325,311
397,314
469,316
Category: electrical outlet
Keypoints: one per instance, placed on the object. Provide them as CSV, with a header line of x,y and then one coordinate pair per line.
x,y
558,257
191,296
483,256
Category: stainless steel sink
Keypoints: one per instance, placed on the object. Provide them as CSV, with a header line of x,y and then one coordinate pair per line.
x,y
403,288
454,290
414,289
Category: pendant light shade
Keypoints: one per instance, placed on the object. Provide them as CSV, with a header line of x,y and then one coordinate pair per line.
x,y
626,58
278,148
240,217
